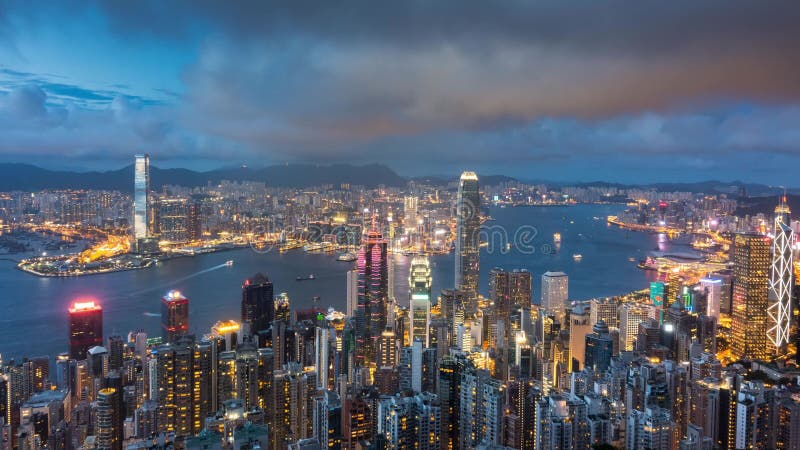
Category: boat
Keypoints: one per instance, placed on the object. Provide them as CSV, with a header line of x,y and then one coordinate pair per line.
x,y
304,278
229,262
557,237
648,264
577,257
632,259
347,257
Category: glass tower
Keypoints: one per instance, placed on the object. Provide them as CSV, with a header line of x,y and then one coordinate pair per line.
x,y
751,261
781,278
85,328
419,284
467,240
174,315
141,187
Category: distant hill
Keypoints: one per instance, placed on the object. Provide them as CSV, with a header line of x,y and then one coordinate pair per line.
x,y
27,177
766,205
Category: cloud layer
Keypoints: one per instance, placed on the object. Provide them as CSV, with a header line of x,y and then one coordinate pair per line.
x,y
521,87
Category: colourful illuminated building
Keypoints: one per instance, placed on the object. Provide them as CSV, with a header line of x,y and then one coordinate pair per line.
x,y
85,327
174,315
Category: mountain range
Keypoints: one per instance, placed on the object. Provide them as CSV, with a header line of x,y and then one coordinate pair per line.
x,y
27,177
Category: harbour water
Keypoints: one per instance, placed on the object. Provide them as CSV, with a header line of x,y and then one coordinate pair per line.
x,y
34,322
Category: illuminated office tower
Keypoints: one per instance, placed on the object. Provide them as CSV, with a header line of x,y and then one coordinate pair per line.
x,y
631,316
604,309
322,361
173,219
174,315
555,291
781,278
371,309
419,286
258,303
713,289
468,224
579,329
520,287
352,292
751,260
141,189
599,347
499,292
109,421
85,328
410,204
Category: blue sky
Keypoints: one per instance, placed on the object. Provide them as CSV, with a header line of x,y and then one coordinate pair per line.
x,y
676,91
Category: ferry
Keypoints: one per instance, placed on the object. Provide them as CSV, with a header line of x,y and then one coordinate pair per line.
x,y
577,257
308,277
648,264
347,257
229,263
557,238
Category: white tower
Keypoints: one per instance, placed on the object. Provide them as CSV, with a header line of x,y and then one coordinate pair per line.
x,y
781,278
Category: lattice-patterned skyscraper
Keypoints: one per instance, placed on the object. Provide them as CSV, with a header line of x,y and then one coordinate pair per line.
x,y
781,282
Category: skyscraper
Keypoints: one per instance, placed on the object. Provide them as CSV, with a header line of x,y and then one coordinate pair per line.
x,y
109,420
713,289
419,286
141,189
468,224
371,310
781,278
85,328
631,316
258,303
750,296
174,315
555,291
599,348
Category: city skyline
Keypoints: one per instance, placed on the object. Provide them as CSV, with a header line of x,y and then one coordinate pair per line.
x,y
667,93
360,225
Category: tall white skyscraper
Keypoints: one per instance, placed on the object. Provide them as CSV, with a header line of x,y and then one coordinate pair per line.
x,y
352,292
419,287
713,289
555,291
141,189
781,278
322,345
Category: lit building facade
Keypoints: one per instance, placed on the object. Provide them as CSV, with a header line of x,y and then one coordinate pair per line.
x,y
85,328
555,292
751,262
141,190
781,278
174,315
467,249
419,285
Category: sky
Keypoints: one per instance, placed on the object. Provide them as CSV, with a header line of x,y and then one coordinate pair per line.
x,y
565,91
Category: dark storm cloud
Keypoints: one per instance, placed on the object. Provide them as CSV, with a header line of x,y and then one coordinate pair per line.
x,y
474,81
304,78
